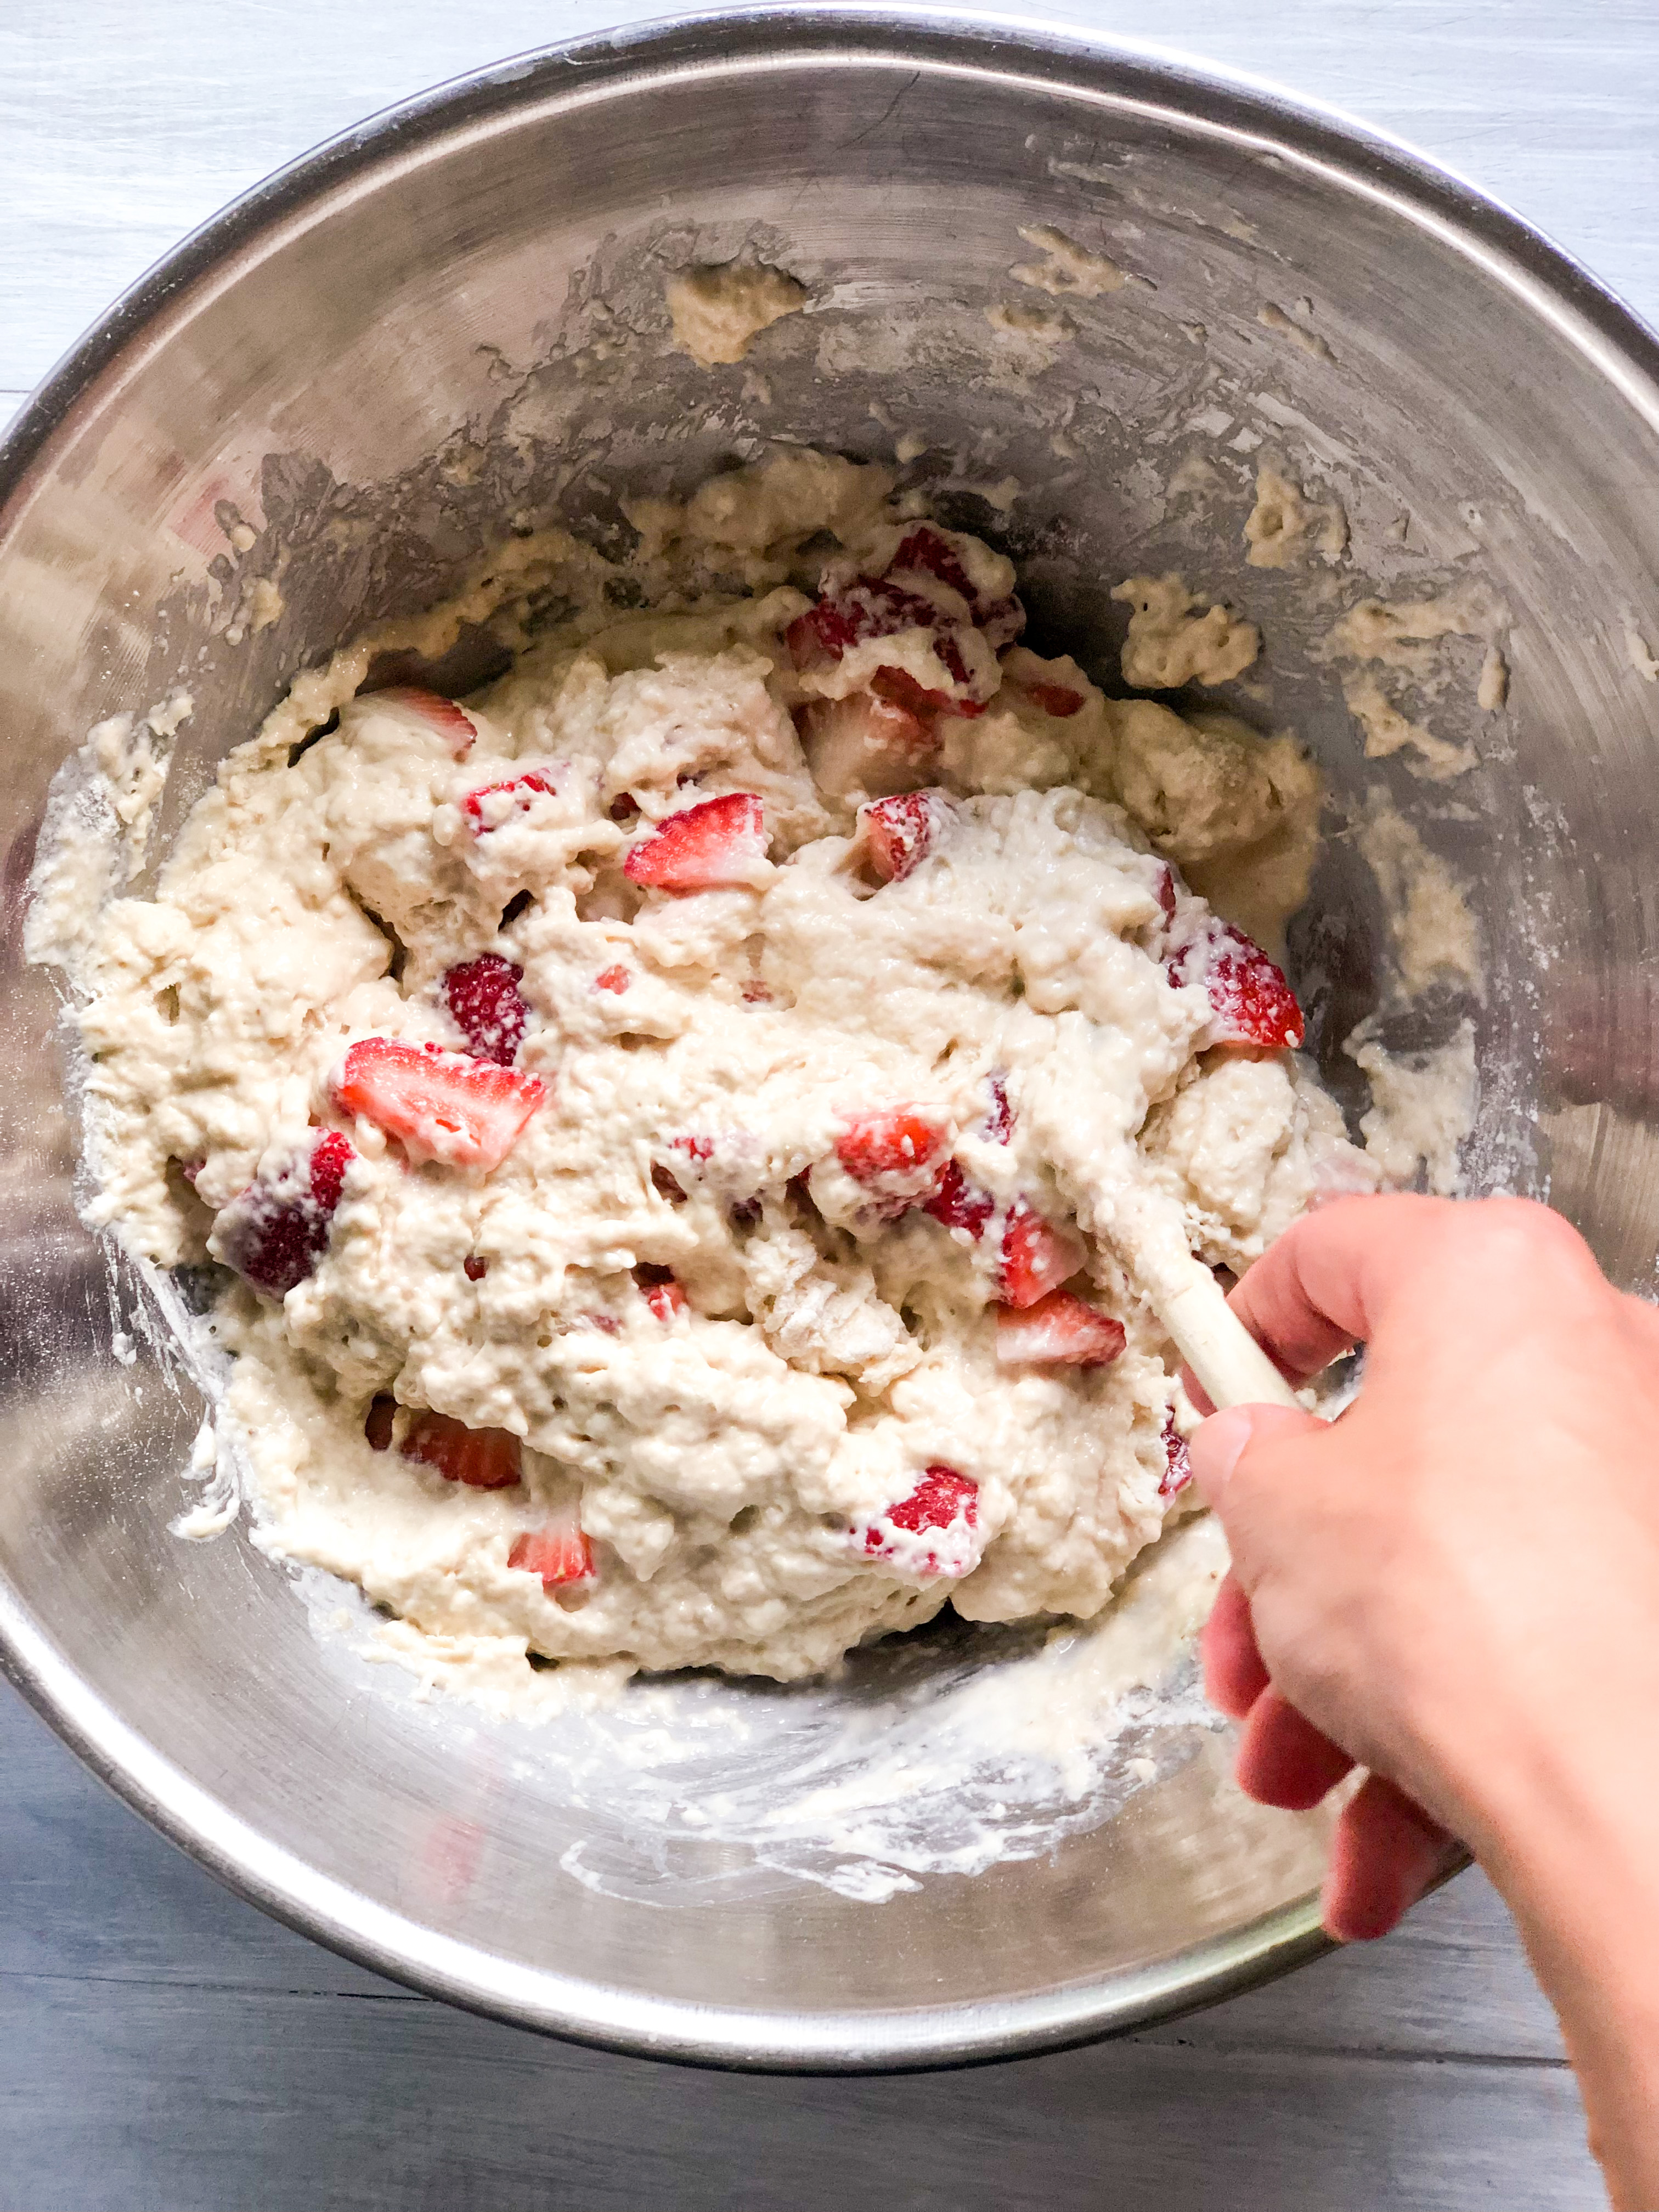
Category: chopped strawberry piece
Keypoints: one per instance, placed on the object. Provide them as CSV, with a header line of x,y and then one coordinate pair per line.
x,y
998,1127
474,1268
942,1501
894,1142
494,804
868,607
442,1106
663,1295
900,832
1177,1461
1250,1002
1166,893
695,1148
275,1231
482,996
936,1501
378,1422
1037,1256
624,807
924,551
900,688
863,743
722,841
482,1458
559,1553
958,1203
452,722
1056,699
1059,1330
932,554
616,979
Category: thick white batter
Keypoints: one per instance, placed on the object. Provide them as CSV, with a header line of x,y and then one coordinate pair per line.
x,y
651,1104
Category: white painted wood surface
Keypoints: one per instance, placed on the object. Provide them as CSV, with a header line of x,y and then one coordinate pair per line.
x,y
163,2045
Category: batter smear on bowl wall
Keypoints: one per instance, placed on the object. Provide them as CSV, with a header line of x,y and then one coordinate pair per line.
x,y
641,1107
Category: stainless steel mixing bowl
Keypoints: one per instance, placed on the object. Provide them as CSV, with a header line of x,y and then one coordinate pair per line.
x,y
455,314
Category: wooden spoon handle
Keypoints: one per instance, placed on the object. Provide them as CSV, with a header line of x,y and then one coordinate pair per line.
x,y
1215,1344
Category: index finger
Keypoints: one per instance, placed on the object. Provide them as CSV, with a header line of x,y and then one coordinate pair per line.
x,y
1317,1293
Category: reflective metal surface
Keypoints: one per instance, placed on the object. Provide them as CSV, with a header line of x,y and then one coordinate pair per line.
x,y
456,315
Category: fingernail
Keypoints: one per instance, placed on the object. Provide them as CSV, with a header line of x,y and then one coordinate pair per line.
x,y
1215,1446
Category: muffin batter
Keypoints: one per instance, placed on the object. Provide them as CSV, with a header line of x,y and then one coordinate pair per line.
x,y
647,1106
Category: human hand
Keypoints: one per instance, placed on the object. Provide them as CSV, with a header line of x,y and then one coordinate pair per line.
x,y
1456,1586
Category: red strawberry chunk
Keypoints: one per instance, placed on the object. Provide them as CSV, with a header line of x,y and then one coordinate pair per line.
x,y
896,1142
1037,1256
559,1553
900,688
494,804
663,1295
452,722
1177,1461
998,1125
1059,1330
616,979
441,1106
868,607
926,551
1250,1002
958,1203
900,832
1057,699
721,841
474,1268
1166,893
942,1500
863,743
482,1458
482,996
932,554
275,1231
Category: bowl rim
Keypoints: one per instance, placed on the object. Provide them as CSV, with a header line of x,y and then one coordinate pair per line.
x,y
1135,75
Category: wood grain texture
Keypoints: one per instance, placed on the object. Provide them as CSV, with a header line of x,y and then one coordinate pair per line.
x,y
165,2044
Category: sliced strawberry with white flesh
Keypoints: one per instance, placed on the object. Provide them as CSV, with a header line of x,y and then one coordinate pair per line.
x,y
1178,1462
275,1231
1037,1256
1251,1004
899,833
1059,1330
662,1292
931,1531
898,1142
489,1009
720,842
482,1458
863,743
558,1552
493,805
441,1106
452,722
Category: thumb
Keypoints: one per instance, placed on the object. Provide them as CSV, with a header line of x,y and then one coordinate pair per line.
x,y
1217,1446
